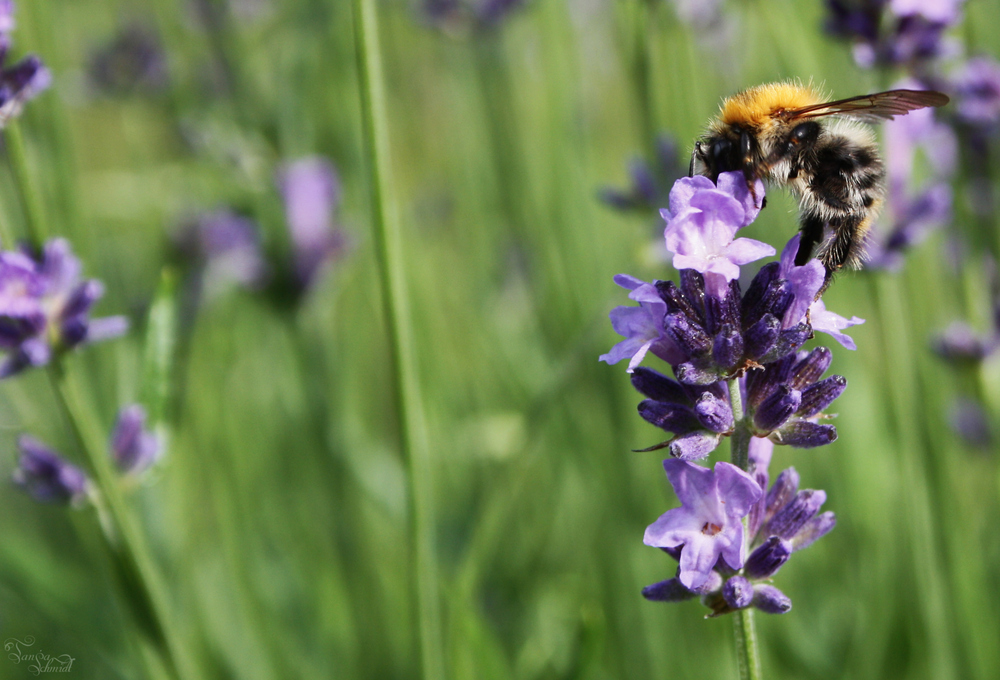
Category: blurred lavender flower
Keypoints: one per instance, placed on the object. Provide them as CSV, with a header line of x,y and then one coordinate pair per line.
x,y
781,522
45,307
310,189
706,529
226,247
133,62
47,476
456,16
970,421
959,343
20,82
6,16
650,184
895,32
977,90
133,448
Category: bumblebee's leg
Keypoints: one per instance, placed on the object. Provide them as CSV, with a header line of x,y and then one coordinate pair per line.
x,y
847,245
812,234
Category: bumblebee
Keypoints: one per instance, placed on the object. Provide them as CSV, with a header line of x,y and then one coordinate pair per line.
x,y
778,133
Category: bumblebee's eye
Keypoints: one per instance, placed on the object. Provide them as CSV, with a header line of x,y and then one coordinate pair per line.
x,y
804,133
720,151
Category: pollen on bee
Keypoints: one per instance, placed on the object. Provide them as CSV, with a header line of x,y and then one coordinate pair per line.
x,y
757,105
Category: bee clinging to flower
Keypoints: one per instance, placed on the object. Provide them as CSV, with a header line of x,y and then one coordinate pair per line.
x,y
780,133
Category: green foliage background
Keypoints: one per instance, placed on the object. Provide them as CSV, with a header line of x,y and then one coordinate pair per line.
x,y
279,517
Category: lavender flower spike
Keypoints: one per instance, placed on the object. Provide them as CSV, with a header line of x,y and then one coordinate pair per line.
x,y
707,526
46,476
133,447
45,307
701,229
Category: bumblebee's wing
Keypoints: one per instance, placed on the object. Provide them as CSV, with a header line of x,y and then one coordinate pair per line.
x,y
872,107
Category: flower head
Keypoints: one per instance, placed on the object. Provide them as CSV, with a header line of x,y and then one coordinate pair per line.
x,y
310,190
47,476
701,227
132,62
780,523
45,307
650,183
226,247
977,86
133,447
19,82
707,526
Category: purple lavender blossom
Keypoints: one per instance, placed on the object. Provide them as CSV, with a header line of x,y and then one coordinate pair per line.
x,y
45,307
780,523
132,62
456,16
650,183
47,476
959,343
20,82
895,32
6,16
970,421
310,190
133,447
641,326
707,527
977,90
701,227
227,248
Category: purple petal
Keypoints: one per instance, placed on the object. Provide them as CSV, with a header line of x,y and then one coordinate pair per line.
x,y
832,323
735,184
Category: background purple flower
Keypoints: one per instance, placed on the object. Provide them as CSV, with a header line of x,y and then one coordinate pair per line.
x,y
310,190
46,475
133,447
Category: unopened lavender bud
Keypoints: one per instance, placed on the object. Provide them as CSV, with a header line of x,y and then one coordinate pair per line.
x,y
738,592
788,341
770,600
789,520
782,492
693,286
689,336
817,397
776,409
694,445
691,373
766,560
670,417
714,413
814,529
811,368
727,348
803,434
657,386
674,299
762,336
671,590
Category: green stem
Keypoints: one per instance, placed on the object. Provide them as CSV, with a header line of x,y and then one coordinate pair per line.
x,y
17,157
747,656
746,645
142,588
389,249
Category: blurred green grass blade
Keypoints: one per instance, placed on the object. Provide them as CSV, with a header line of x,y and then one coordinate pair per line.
x,y
395,297
160,349
17,156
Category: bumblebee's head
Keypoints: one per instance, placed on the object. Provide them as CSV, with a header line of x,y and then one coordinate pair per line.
x,y
730,147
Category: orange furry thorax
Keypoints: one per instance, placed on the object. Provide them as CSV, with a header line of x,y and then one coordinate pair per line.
x,y
757,105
